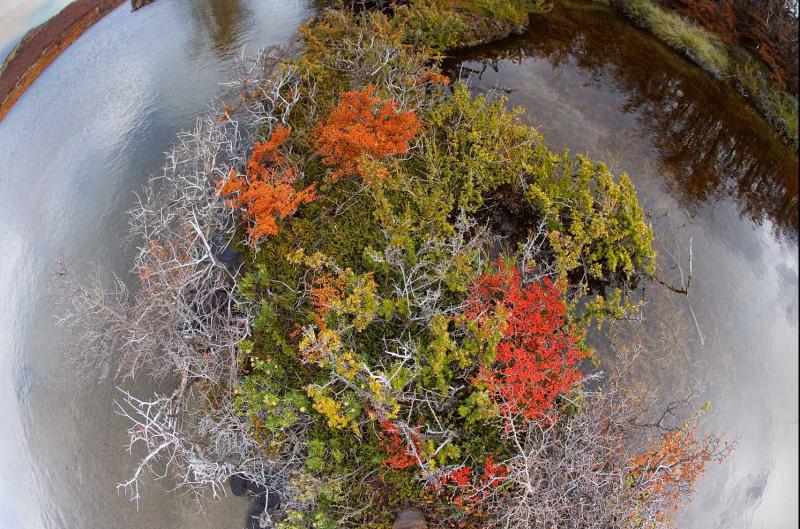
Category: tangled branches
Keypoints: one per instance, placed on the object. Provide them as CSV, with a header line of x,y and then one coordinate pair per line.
x,y
185,320
586,468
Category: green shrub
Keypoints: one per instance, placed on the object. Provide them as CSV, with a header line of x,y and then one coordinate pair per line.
x,y
427,23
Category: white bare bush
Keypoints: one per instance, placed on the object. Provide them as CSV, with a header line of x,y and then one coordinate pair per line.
x,y
182,323
576,469
369,55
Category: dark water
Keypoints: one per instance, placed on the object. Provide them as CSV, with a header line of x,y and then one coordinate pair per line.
x,y
73,151
710,169
85,136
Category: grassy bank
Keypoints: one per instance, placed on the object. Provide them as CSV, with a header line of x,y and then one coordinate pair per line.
x,y
721,60
443,24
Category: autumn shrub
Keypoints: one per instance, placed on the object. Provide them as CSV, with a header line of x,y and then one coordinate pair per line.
x,y
538,356
266,193
363,128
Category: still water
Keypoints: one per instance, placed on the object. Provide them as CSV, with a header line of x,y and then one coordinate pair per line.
x,y
73,151
707,168
85,136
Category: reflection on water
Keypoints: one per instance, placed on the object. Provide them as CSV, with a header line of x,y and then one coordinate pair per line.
x,y
221,21
73,151
710,143
710,170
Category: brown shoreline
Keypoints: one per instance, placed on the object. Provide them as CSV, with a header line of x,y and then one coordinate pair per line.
x,y
41,45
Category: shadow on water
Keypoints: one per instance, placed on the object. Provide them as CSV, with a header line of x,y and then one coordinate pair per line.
x,y
260,499
710,142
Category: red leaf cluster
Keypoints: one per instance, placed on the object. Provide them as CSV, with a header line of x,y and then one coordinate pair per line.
x,y
363,127
537,358
267,193
472,490
493,473
400,452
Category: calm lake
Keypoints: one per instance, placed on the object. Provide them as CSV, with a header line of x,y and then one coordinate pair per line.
x,y
89,131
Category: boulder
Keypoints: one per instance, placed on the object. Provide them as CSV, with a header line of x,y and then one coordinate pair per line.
x,y
410,519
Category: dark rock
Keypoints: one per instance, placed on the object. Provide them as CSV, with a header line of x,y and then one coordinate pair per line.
x,y
136,4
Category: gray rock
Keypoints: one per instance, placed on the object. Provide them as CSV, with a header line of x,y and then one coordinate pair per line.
x,y
410,519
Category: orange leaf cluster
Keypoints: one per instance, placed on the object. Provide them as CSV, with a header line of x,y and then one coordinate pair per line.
x,y
673,466
434,78
325,290
363,127
267,193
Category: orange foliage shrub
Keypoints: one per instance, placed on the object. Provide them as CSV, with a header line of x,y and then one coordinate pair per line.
x,y
325,290
267,193
363,127
434,78
672,466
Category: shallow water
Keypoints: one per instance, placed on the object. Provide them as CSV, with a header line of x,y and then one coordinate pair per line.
x,y
710,169
84,137
73,150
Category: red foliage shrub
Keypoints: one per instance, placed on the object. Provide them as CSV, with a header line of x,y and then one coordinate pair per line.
x,y
400,452
537,358
492,473
363,127
267,192
471,489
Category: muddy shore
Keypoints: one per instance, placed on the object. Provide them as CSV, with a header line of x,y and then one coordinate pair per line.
x,y
41,45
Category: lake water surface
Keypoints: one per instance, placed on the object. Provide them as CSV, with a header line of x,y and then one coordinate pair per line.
x,y
85,136
73,151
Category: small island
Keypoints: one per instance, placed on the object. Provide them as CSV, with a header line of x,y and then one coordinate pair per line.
x,y
363,287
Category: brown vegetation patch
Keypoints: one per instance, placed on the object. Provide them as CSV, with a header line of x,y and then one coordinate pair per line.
x,y
40,47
